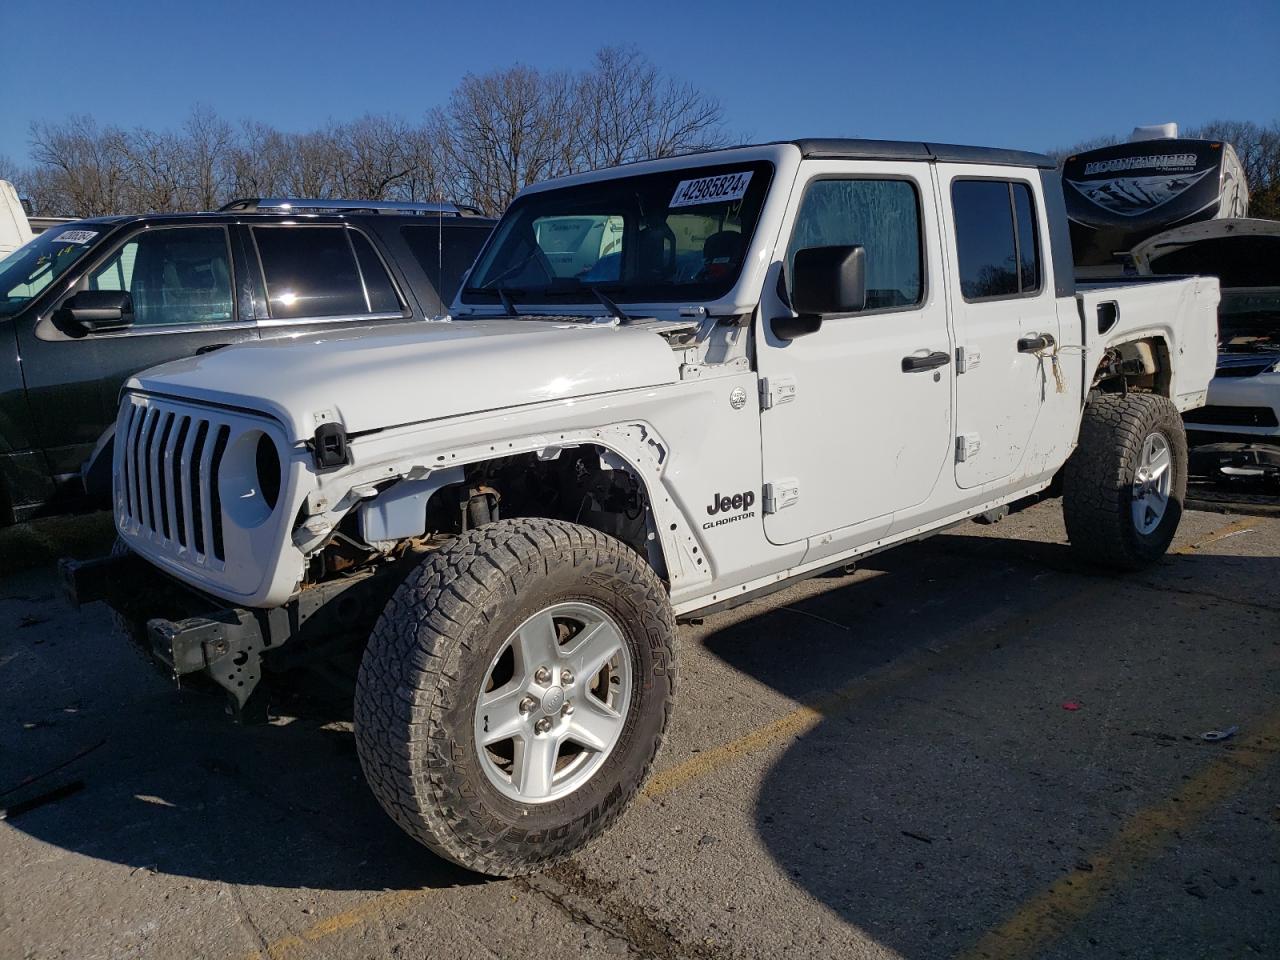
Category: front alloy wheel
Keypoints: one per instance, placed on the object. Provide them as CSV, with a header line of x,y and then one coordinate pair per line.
x,y
554,703
515,692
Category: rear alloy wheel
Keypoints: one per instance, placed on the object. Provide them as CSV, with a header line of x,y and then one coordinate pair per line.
x,y
1152,483
515,692
1124,485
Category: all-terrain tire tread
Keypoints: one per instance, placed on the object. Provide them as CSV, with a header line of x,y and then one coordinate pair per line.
x,y
409,674
1098,477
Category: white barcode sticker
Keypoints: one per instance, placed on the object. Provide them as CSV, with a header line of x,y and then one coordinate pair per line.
x,y
75,236
722,189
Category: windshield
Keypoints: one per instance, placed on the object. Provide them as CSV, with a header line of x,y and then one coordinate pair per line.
x,y
35,265
1250,319
675,236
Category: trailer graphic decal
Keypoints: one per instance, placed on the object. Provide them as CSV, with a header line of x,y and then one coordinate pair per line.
x,y
1130,196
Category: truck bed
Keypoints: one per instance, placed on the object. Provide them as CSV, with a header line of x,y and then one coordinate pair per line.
x,y
1177,315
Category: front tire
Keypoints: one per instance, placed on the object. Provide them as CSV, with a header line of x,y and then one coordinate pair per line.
x,y
1124,486
515,692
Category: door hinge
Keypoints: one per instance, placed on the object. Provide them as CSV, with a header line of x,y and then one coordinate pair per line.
x,y
967,359
967,446
776,390
781,494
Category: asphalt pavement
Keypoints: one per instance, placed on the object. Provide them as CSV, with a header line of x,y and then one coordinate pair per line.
x,y
974,746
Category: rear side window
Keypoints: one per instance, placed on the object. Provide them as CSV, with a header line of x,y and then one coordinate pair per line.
x,y
445,253
314,272
176,276
377,284
997,242
881,215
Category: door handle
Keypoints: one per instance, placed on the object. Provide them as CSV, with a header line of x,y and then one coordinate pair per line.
x,y
914,364
1036,343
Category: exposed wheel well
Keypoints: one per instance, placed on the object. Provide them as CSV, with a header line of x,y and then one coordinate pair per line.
x,y
588,485
1134,366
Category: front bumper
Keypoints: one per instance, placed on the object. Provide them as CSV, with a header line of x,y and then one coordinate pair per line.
x,y
1239,408
194,635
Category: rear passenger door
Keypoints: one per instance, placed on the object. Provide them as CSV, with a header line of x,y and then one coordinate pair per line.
x,y
1000,303
321,275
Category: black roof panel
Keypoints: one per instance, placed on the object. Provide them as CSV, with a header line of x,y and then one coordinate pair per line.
x,y
843,149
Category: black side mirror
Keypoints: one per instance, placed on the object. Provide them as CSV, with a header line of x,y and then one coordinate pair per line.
x,y
98,311
825,281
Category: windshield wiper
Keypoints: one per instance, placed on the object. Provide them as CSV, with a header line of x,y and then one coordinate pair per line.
x,y
507,303
504,295
614,310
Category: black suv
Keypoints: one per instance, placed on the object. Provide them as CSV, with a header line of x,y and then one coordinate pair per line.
x,y
86,304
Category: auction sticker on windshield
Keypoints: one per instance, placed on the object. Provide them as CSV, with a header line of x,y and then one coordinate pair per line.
x,y
724,188
75,236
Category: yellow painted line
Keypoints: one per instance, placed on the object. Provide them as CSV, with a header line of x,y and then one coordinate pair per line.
x,y
793,724
1230,530
294,944
1047,916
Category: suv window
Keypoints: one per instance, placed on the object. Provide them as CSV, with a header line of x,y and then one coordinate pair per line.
x,y
881,215
445,253
313,272
996,238
175,276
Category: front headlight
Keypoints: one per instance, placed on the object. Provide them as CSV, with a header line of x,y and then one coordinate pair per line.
x,y
250,478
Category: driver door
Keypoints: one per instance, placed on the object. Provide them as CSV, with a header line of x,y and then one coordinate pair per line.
x,y
856,424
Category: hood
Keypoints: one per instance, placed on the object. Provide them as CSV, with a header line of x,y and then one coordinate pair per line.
x,y
376,377
1240,252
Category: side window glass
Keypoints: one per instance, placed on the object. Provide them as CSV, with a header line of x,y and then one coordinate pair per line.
x,y
175,277
377,283
310,272
984,238
1028,238
996,238
445,253
881,215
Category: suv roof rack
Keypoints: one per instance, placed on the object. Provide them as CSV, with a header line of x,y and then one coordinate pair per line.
x,y
301,205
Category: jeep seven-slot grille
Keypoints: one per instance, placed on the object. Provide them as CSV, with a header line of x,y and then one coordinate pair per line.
x,y
167,476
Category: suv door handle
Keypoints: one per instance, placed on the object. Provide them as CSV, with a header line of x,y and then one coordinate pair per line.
x,y
1034,344
914,364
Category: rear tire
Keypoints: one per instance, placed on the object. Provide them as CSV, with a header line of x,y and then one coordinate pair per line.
x,y
1124,486
471,724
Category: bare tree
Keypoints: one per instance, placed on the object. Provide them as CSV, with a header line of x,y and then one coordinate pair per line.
x,y
626,110
1258,147
497,133
88,168
257,162
507,129
208,148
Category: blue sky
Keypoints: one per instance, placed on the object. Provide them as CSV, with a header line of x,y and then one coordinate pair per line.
x,y
1030,74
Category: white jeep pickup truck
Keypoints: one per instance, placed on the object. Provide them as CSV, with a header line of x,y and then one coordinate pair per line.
x,y
665,389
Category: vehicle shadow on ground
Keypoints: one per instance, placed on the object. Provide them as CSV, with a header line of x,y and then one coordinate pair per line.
x,y
177,788
947,784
